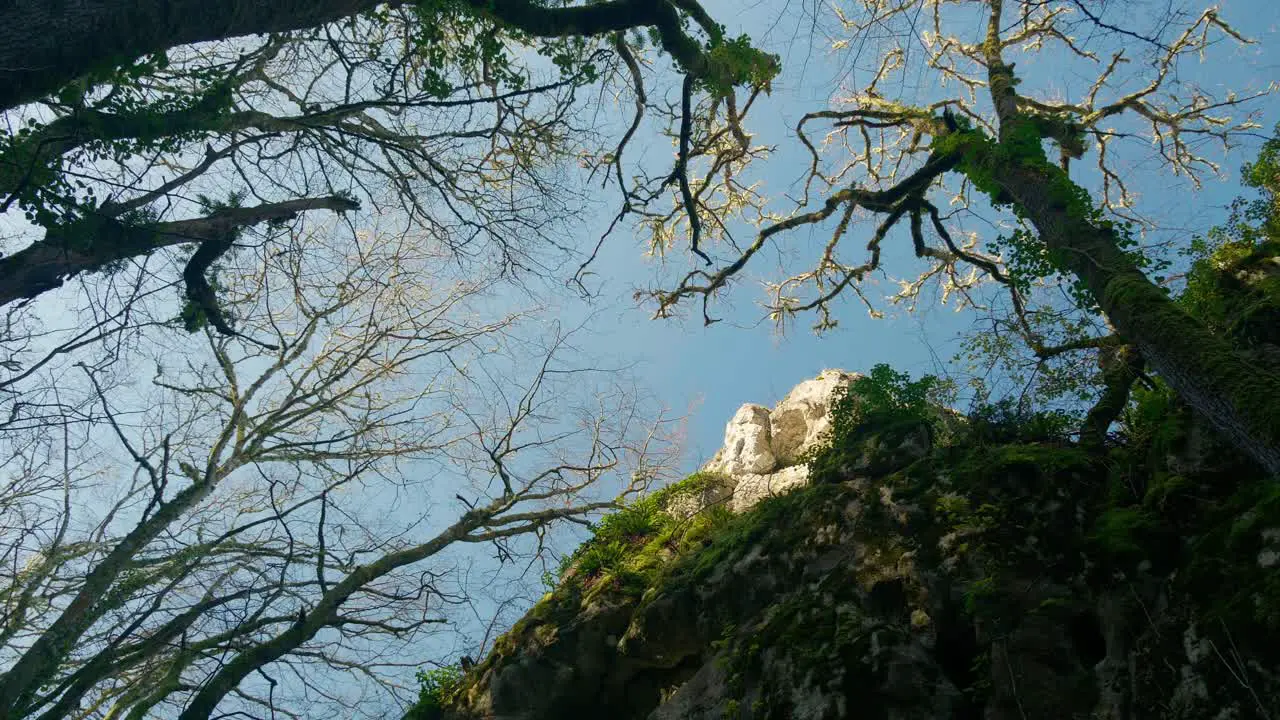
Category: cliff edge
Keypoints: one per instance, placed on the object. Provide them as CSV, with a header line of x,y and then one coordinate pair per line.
x,y
857,552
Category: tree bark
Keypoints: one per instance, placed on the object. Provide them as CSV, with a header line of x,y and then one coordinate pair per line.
x,y
44,46
1238,396
40,149
66,252
1120,368
1235,394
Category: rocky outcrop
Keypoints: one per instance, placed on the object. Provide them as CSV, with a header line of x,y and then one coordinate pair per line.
x,y
803,417
749,488
763,449
1003,579
748,444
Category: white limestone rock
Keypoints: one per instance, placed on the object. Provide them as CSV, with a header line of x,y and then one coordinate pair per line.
x,y
752,488
762,447
800,420
747,447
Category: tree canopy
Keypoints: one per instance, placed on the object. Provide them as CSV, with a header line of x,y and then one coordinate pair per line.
x,y
270,351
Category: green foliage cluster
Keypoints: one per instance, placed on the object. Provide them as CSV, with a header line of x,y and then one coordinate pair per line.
x,y
734,63
1008,421
984,498
885,394
192,316
629,548
437,687
1260,218
615,539
1122,532
1030,261
1005,474
1233,284
1026,258
883,403
1208,512
453,34
980,156
450,36
641,518
1224,567
128,121
1210,520
1154,419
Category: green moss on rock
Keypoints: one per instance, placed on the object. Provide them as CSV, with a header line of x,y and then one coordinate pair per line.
x,y
1003,571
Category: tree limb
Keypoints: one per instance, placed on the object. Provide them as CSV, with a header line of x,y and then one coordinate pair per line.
x,y
45,47
94,243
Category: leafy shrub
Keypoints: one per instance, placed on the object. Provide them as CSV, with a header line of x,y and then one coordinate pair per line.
x,y
1154,418
1123,532
1006,421
888,393
1229,286
639,519
613,537
437,688
601,555
884,402
633,544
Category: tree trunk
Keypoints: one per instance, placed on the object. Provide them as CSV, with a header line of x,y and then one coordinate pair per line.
x,y
46,45
1238,396
37,665
1120,368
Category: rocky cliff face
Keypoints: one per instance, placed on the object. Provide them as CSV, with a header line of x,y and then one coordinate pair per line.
x,y
763,448
992,571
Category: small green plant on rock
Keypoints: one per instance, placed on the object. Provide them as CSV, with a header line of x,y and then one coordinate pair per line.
x,y
1007,421
630,548
437,688
884,404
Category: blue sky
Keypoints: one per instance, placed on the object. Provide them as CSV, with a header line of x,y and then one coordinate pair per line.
x,y
710,371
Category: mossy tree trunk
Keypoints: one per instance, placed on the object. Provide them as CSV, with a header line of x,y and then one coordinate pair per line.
x,y
1238,396
1120,368
94,244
